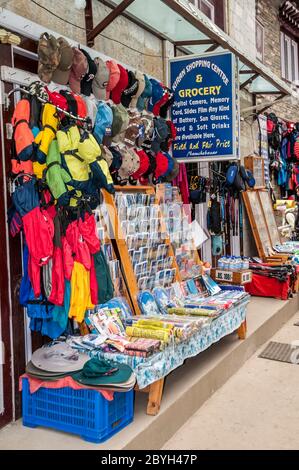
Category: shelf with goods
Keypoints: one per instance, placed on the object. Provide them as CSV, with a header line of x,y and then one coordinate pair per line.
x,y
116,229
177,217
154,390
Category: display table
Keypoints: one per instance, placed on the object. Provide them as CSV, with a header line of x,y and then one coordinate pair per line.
x,y
150,372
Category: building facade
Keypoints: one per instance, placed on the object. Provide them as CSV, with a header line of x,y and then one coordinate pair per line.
x,y
262,29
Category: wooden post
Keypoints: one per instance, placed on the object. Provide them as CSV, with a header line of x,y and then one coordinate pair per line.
x,y
242,330
155,397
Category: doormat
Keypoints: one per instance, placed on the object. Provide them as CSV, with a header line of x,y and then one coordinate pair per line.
x,y
281,352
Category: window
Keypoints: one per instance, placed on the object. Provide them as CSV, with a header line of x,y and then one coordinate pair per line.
x,y
206,7
289,58
259,30
213,9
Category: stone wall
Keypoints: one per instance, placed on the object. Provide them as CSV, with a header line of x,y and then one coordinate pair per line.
x,y
129,43
122,40
241,24
267,14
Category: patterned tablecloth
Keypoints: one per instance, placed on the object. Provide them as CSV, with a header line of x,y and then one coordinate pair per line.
x,y
157,366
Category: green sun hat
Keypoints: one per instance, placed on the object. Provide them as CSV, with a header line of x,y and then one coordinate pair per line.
x,y
98,372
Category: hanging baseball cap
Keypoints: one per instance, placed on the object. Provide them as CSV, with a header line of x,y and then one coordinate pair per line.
x,y
92,107
49,56
130,90
145,95
135,129
122,84
120,118
130,163
103,122
101,79
162,165
165,107
86,82
157,94
107,154
161,102
152,167
144,164
161,133
78,70
114,76
62,74
174,172
141,86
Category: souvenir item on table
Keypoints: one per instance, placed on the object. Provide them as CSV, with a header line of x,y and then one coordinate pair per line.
x,y
147,303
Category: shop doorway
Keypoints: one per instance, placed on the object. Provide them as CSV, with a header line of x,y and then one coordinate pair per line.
x,y
17,343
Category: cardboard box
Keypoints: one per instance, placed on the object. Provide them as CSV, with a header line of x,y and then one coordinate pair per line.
x,y
231,277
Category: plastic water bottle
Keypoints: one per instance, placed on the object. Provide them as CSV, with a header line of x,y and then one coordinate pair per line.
x,y
245,263
221,263
232,263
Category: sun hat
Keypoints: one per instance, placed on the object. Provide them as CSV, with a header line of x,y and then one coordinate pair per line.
x,y
49,56
130,90
141,86
101,79
121,85
87,80
100,372
58,357
62,72
43,374
78,70
114,76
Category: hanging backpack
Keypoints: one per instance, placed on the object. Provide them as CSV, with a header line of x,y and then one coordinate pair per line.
x,y
273,131
214,217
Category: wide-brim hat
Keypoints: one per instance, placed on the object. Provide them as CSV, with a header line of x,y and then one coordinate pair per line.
x,y
41,374
98,372
58,357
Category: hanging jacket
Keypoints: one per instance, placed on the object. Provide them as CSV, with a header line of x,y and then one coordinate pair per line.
x,y
48,133
90,151
57,177
56,296
68,141
22,134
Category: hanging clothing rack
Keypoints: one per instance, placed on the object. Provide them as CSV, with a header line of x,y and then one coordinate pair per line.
x,y
23,90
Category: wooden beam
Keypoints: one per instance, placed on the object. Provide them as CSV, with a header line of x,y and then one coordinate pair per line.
x,y
250,80
134,20
108,20
89,22
188,16
194,42
213,47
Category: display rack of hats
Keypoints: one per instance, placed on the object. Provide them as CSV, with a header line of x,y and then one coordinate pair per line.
x,y
144,247
105,125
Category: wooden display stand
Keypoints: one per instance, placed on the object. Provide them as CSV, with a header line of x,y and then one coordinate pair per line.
x,y
155,390
257,167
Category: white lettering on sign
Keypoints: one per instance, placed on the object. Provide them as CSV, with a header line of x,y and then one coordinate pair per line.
x,y
224,276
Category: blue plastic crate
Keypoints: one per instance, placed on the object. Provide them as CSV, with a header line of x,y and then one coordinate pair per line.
x,y
85,412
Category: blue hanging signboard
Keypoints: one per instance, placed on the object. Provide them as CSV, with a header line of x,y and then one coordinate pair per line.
x,y
206,107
